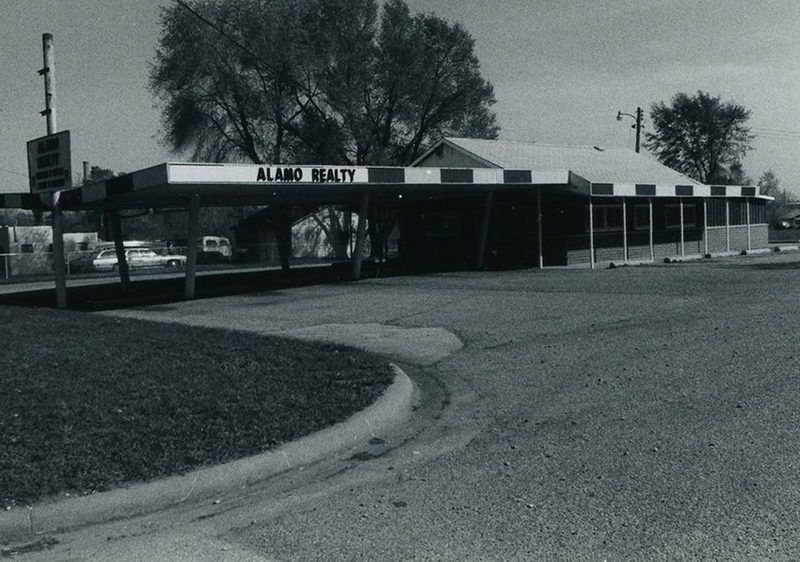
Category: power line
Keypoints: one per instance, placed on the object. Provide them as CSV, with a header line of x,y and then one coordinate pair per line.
x,y
216,28
776,135
13,172
774,130
793,140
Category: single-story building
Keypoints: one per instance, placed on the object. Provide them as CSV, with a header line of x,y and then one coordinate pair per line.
x,y
465,203
592,205
29,249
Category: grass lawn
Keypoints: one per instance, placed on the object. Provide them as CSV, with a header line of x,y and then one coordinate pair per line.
x,y
89,402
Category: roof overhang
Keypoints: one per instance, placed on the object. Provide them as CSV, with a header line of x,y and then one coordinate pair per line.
x,y
674,190
172,185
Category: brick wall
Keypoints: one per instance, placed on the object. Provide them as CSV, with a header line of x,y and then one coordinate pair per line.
x,y
738,238
759,236
577,256
639,252
717,240
716,244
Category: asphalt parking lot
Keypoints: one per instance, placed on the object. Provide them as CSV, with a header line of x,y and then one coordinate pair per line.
x,y
636,413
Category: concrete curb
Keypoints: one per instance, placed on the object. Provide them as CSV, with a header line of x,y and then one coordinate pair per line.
x,y
392,408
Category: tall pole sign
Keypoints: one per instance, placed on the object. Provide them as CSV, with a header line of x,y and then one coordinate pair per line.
x,y
49,167
49,83
49,163
49,158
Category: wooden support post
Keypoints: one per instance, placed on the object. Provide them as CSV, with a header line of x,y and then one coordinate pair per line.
x,y
683,237
361,234
191,246
59,264
591,233
283,234
652,248
539,227
749,246
727,225
624,231
486,218
119,247
705,226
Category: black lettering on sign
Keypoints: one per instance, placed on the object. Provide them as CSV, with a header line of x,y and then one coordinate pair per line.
x,y
281,174
48,145
332,175
47,160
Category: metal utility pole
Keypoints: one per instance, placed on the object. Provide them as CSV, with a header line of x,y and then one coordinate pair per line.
x,y
49,83
637,126
59,263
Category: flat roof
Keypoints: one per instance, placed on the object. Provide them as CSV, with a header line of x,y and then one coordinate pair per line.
x,y
171,185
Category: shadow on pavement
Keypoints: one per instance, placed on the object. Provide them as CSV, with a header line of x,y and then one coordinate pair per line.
x,y
107,296
762,266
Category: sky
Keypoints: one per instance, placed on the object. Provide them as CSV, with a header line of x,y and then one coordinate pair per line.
x,y
561,70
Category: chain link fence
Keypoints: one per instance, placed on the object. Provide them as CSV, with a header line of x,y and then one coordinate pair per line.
x,y
20,266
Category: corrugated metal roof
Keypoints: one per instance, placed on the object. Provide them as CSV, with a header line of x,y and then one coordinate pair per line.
x,y
598,165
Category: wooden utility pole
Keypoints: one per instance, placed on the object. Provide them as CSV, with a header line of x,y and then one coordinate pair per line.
x,y
638,127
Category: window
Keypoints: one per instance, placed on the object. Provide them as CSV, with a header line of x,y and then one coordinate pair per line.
x,y
606,218
641,217
211,243
758,212
672,214
716,212
738,212
26,248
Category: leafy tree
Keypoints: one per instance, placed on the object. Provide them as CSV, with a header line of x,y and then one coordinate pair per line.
x,y
16,217
384,95
89,221
315,81
768,184
700,136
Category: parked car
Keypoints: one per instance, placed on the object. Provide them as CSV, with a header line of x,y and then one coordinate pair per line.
x,y
81,262
106,260
212,249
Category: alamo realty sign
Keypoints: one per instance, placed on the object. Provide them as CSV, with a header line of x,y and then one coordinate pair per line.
x,y
243,173
300,174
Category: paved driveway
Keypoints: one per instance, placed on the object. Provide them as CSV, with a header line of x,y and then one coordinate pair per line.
x,y
642,413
